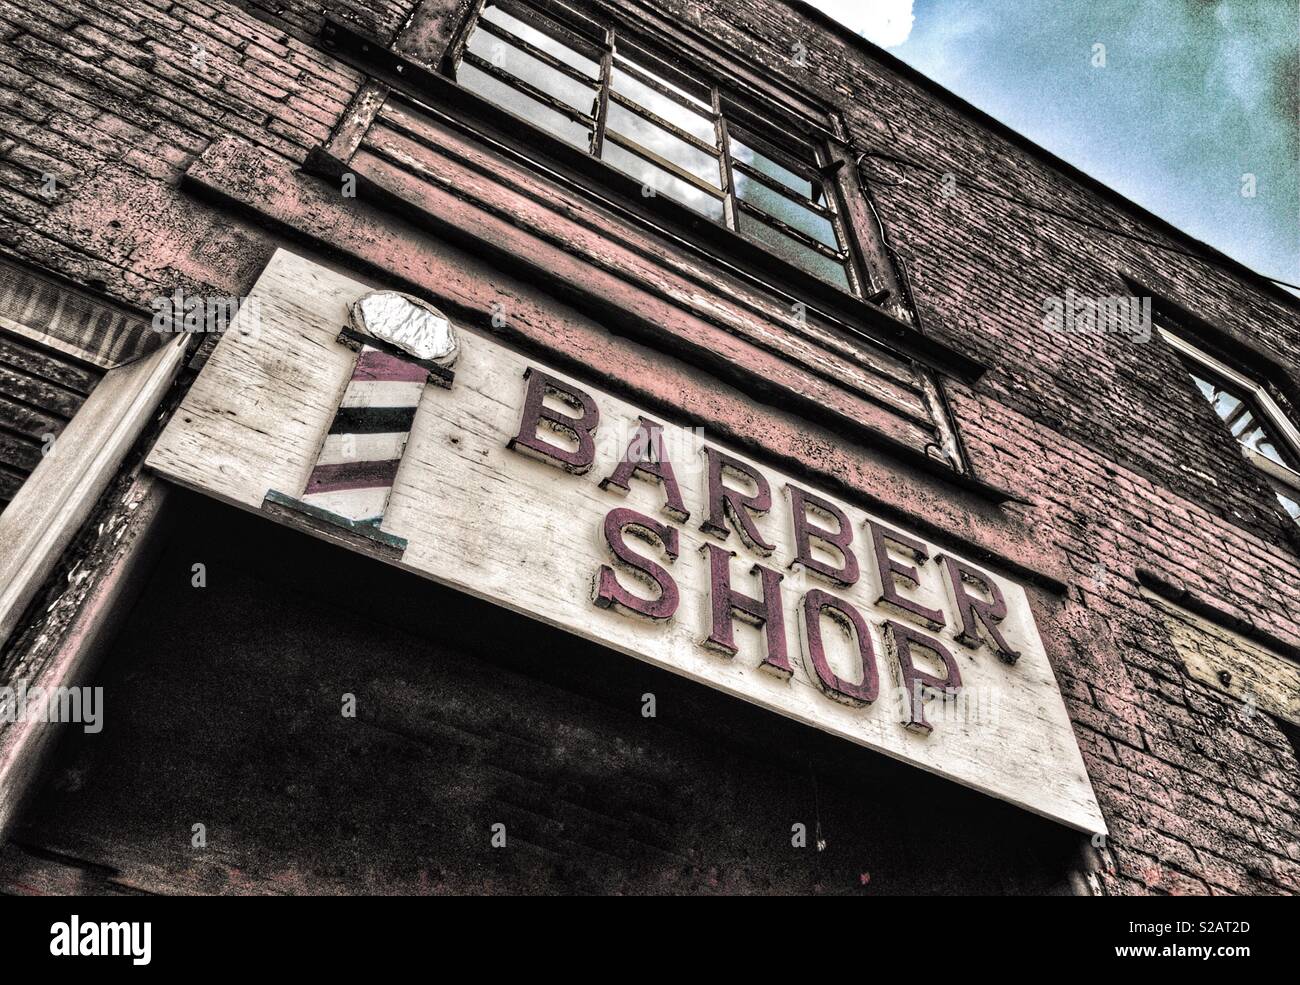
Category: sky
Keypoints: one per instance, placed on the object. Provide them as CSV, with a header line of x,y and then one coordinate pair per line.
x,y
1186,102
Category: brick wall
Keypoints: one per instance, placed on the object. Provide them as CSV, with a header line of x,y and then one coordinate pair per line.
x,y
113,100
1121,462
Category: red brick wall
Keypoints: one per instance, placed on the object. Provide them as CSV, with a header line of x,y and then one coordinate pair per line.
x,y
114,100
1121,462
1122,459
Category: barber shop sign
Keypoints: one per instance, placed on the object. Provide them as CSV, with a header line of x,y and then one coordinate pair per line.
x,y
498,475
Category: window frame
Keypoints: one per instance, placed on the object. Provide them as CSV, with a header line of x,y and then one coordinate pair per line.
x,y
63,489
1275,420
729,106
412,72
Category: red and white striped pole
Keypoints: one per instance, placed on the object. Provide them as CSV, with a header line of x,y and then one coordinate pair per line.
x,y
402,343
358,460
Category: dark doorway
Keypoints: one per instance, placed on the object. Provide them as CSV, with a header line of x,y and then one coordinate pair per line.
x,y
224,707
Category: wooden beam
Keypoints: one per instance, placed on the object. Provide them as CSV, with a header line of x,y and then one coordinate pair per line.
x,y
59,495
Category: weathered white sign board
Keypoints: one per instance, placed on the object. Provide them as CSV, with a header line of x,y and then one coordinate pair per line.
x,y
517,529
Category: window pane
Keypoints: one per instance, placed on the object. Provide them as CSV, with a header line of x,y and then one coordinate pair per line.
x,y
792,250
662,181
658,77
538,39
671,110
657,139
791,213
540,76
1242,425
1243,421
530,109
769,167
1291,505
1259,440
1224,403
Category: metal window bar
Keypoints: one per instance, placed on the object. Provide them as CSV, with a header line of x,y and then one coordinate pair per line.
x,y
456,51
778,132
611,51
728,173
560,33
1246,415
545,15
788,230
697,94
545,57
840,252
749,171
663,124
631,69
692,179
808,170
602,108
529,90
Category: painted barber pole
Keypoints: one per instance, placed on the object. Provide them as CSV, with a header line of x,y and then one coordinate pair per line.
x,y
358,461
402,344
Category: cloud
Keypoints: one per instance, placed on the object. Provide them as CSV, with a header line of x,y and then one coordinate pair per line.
x,y
887,23
1195,95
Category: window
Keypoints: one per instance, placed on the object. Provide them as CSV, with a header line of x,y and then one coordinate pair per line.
x,y
669,128
1268,439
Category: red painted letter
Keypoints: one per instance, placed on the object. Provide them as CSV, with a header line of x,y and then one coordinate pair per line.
x,y
814,652
917,684
536,412
725,502
726,604
645,455
889,568
610,594
840,538
974,610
